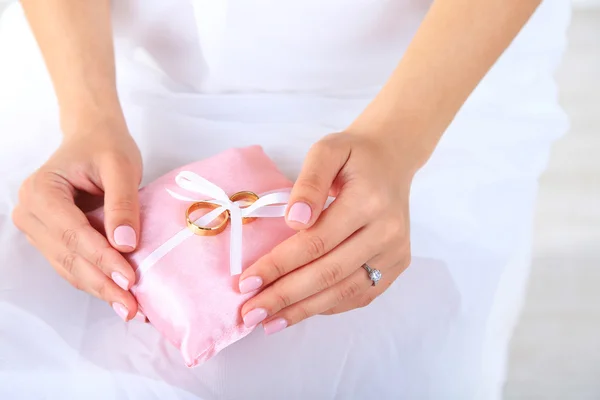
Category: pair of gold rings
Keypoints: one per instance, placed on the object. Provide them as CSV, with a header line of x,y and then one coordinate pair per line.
x,y
246,196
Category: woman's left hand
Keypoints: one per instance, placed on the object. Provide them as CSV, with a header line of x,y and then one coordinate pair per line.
x,y
320,270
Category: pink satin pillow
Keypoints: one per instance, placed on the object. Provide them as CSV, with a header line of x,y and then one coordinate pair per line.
x,y
189,295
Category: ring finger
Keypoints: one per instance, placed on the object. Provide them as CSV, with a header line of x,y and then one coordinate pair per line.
x,y
354,286
368,296
315,277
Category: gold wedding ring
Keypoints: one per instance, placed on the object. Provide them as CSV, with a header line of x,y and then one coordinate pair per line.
x,y
248,197
206,230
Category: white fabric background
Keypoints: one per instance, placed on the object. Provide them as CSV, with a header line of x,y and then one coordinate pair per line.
x,y
439,332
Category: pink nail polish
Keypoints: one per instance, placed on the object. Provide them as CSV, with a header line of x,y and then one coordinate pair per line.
x,y
300,212
120,280
254,317
249,284
124,235
121,310
275,326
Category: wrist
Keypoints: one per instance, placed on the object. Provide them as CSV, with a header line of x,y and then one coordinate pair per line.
x,y
407,138
91,117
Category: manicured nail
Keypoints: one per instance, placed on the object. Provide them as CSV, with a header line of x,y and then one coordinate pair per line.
x,y
124,235
121,310
120,280
275,326
300,212
251,283
255,317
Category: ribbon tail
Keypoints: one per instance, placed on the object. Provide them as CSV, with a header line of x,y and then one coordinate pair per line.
x,y
235,245
273,204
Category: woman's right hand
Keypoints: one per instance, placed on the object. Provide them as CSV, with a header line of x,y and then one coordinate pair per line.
x,y
103,160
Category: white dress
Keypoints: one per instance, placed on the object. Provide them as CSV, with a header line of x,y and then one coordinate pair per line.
x,y
281,74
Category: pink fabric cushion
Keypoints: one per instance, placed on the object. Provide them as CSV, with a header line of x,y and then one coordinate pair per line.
x,y
189,294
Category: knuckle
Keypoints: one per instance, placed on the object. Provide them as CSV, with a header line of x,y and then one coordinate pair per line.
x,y
349,291
104,289
116,159
125,162
53,182
310,185
17,217
99,257
39,179
329,275
323,145
366,300
75,284
330,141
392,231
403,252
26,189
407,259
375,203
302,313
277,266
68,262
126,205
281,299
315,246
70,239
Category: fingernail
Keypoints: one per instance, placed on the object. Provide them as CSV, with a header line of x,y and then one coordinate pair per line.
x,y
120,280
275,326
121,310
300,212
124,235
255,317
251,283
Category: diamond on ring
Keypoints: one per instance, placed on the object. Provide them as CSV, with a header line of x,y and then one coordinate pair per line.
x,y
374,274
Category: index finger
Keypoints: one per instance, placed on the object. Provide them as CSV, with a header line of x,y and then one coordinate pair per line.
x,y
336,224
320,168
57,209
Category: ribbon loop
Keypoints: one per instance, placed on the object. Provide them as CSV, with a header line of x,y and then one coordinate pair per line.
x,y
196,184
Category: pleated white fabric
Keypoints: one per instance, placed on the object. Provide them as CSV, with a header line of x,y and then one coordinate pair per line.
x,y
282,74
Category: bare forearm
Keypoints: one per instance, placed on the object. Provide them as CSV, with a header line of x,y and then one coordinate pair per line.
x,y
75,38
455,46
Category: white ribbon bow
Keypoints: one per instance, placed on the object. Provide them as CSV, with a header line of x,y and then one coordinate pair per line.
x,y
269,205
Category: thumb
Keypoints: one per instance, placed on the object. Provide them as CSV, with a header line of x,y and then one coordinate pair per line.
x,y
121,205
309,194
